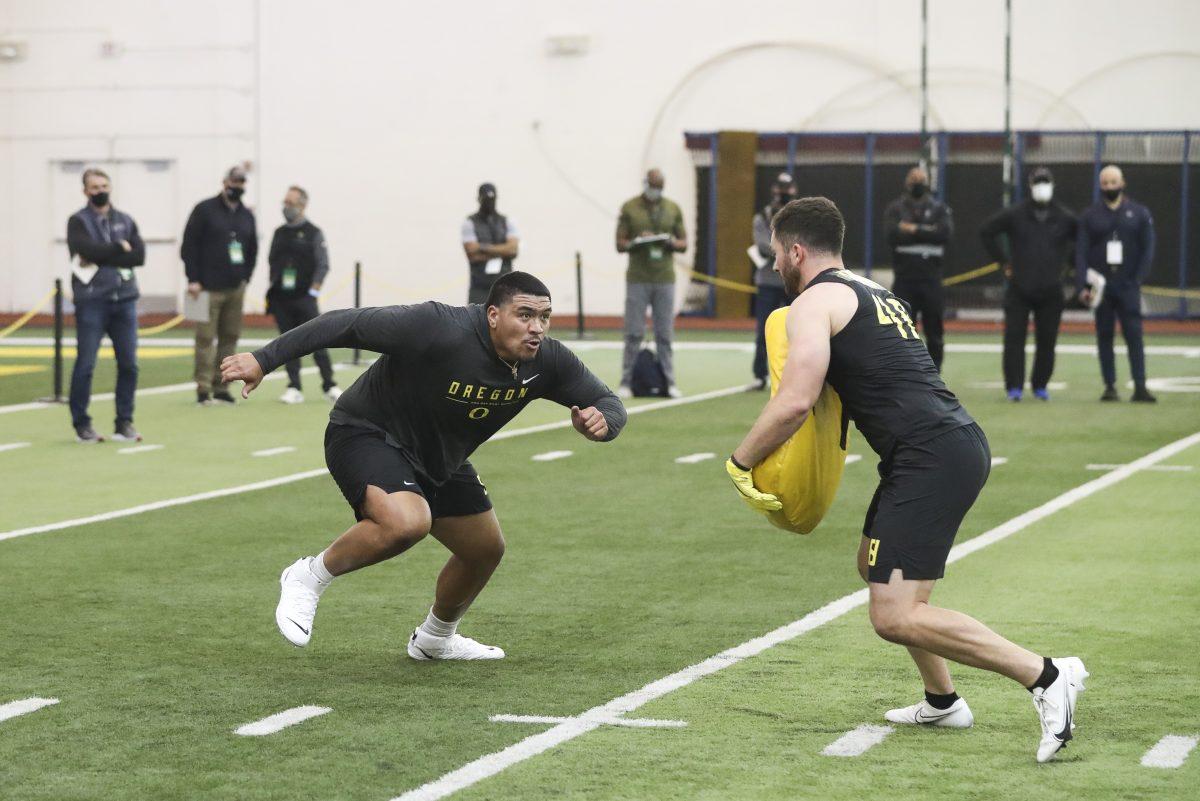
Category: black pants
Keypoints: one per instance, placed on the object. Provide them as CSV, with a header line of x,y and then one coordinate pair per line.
x,y
928,302
1124,304
766,300
289,313
1046,304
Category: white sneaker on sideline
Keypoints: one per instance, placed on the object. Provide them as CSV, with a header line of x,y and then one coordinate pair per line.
x,y
624,392
425,647
957,716
291,395
297,603
1055,706
333,393
674,392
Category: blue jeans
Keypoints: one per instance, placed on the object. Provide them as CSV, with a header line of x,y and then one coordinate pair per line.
x,y
94,319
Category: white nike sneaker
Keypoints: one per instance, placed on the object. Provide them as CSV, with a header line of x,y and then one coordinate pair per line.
x,y
291,395
333,393
425,647
674,391
624,392
957,716
297,602
1056,706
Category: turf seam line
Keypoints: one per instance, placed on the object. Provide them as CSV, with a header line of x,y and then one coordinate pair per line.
x,y
275,482
491,764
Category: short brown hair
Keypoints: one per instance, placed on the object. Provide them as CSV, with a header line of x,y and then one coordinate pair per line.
x,y
303,195
814,222
90,171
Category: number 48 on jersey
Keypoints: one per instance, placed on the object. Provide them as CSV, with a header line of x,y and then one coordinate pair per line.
x,y
892,312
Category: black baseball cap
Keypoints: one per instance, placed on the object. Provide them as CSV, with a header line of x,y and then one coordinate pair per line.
x,y
1041,175
487,190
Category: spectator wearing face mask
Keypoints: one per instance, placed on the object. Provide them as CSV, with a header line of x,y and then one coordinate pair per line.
x,y
918,227
491,242
1116,239
650,229
220,246
299,262
769,294
1034,242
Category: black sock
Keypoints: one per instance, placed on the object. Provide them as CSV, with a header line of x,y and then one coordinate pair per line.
x,y
940,701
1048,677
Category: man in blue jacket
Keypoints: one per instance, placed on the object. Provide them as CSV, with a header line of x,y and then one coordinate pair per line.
x,y
1116,239
105,247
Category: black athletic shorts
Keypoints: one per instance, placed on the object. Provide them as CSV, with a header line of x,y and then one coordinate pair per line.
x,y
924,493
358,457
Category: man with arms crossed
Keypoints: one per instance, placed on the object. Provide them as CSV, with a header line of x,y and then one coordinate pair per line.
x,y
856,335
398,440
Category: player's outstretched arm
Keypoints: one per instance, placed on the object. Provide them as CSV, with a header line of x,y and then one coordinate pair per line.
x,y
590,423
242,367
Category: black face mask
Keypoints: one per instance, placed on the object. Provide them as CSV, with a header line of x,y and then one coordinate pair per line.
x,y
487,205
781,198
99,200
918,190
1111,194
234,193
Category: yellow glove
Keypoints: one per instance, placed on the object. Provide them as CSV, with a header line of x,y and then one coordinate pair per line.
x,y
743,481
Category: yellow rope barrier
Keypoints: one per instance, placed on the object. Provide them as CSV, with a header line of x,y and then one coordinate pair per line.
x,y
750,290
158,329
27,316
1167,292
970,274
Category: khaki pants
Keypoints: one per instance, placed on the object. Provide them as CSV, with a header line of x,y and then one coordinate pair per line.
x,y
225,323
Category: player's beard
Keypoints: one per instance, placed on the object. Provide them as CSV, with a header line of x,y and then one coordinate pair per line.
x,y
791,280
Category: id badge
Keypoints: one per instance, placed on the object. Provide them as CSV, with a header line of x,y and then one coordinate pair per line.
x,y
289,279
236,257
126,274
656,252
1116,252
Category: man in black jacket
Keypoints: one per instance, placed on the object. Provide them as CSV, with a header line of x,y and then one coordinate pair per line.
x,y
918,227
299,261
1041,240
491,242
220,246
106,246
399,439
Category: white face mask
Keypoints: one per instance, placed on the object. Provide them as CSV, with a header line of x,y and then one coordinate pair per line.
x,y
1041,192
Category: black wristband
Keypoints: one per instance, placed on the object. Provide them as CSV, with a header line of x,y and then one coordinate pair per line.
x,y
738,464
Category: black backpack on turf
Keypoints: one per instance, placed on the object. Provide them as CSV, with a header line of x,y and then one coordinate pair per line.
x,y
648,379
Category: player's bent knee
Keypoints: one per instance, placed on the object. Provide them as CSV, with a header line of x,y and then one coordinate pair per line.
x,y
890,624
403,518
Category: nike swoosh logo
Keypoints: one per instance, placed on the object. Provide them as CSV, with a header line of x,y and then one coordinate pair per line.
x,y
527,380
410,483
923,718
297,625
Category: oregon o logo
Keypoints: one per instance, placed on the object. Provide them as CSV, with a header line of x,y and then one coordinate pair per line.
x,y
478,413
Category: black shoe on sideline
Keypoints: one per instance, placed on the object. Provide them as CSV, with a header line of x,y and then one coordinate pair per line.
x,y
203,399
759,384
223,397
1110,394
1142,395
87,435
125,432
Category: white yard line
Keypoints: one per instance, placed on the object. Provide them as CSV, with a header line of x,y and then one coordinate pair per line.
x,y
274,451
1169,752
999,460
851,458
23,707
858,741
1161,468
610,720
12,446
496,762
275,482
281,720
140,449
550,456
693,458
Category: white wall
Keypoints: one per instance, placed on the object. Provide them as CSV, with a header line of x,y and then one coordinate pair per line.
x,y
390,114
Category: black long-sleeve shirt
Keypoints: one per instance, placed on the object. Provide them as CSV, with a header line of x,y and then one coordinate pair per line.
x,y
919,254
439,390
1131,224
85,239
206,253
1041,242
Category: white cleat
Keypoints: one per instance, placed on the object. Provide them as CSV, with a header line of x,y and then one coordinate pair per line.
x,y
1056,706
291,395
957,716
425,647
297,603
624,392
333,393
674,391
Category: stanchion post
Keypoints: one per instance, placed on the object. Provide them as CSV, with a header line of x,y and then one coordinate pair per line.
x,y
579,295
357,296
58,340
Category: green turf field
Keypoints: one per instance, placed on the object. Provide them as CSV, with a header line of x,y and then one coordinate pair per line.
x,y
155,630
